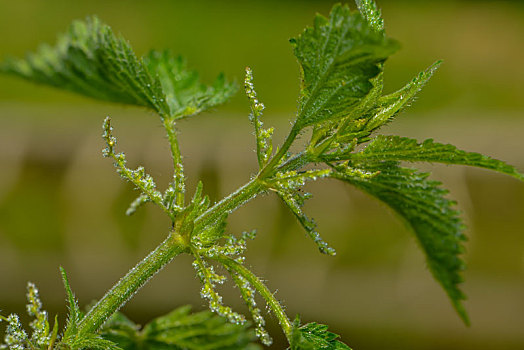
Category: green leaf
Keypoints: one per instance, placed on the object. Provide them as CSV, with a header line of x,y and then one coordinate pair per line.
x,y
184,94
375,110
211,234
93,342
422,203
72,339
314,336
180,329
396,148
91,60
122,331
74,311
369,9
390,105
338,56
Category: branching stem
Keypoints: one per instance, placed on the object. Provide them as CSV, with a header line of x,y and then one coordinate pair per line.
x,y
230,203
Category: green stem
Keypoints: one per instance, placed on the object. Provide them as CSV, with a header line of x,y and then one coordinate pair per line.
x,y
295,162
261,288
179,180
124,289
228,204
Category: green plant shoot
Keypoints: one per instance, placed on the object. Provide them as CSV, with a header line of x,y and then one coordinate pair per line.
x,y
342,105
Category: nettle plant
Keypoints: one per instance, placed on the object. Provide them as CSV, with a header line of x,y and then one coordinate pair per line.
x,y
341,105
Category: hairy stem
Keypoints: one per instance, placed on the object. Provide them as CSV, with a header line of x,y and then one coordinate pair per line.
x,y
179,180
261,288
128,285
228,204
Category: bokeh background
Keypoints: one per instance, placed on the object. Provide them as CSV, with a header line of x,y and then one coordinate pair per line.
x,y
61,203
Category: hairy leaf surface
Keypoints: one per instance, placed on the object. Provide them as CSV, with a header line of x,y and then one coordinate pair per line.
x,y
396,148
338,56
422,203
388,106
184,93
90,60
315,336
369,9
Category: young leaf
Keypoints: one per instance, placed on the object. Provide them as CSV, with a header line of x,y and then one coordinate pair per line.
x,y
210,235
422,204
93,342
338,56
74,310
314,336
54,334
396,148
388,106
184,94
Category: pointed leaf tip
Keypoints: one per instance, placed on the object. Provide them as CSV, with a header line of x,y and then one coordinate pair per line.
x,y
369,9
422,203
338,56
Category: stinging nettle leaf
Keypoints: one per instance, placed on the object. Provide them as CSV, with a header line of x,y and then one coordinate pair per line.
x,y
314,336
396,148
369,9
184,93
388,106
422,203
92,61
338,57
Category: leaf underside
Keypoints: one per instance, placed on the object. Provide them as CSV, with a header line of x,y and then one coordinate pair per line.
x,y
396,148
435,222
90,60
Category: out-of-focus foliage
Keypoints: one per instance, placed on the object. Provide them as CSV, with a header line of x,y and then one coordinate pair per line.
x,y
180,329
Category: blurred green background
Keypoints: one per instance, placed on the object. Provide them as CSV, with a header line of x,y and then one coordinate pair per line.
x,y
61,203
